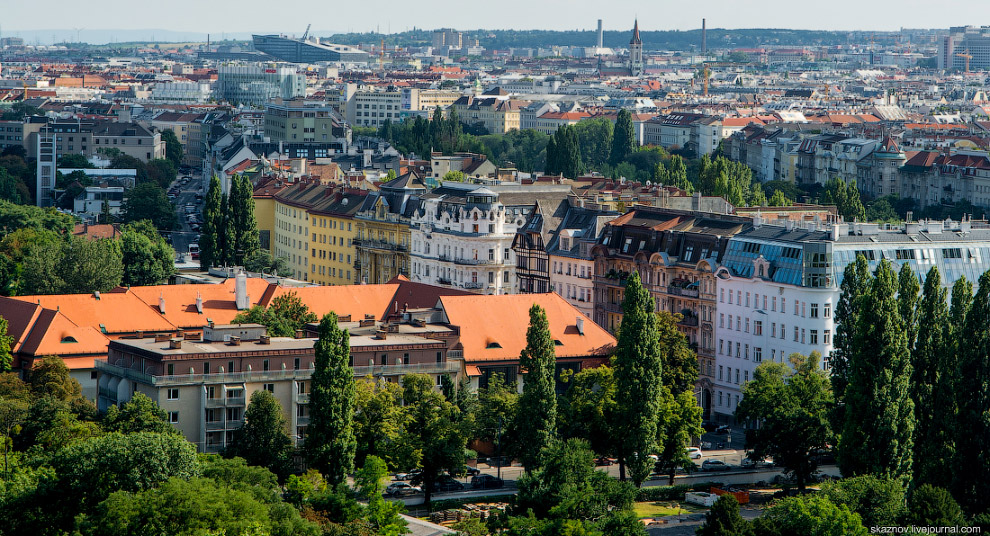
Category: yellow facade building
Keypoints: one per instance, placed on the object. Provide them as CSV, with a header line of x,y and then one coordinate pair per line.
x,y
383,230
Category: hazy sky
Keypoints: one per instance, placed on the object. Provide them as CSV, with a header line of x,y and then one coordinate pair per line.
x,y
218,16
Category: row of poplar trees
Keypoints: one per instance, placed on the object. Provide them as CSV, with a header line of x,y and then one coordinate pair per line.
x,y
564,148
911,376
230,230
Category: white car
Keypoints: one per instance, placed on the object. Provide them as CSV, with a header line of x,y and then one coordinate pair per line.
x,y
694,453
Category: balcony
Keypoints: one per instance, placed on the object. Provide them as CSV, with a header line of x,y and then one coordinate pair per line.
x,y
473,285
271,375
302,421
611,307
610,281
379,244
682,291
689,321
302,398
476,262
444,281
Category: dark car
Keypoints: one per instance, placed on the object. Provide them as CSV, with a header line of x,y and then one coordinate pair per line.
x,y
447,483
604,462
486,482
466,470
724,429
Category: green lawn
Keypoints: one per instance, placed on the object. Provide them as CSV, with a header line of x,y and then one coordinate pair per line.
x,y
661,509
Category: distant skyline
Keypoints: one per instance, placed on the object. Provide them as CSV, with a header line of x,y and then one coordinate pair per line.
x,y
191,17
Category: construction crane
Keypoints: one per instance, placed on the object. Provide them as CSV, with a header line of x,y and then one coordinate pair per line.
x,y
967,56
306,33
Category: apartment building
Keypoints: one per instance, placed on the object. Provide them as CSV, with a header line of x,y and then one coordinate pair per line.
x,y
462,234
298,121
417,99
383,234
371,106
258,84
204,385
677,254
333,230
495,112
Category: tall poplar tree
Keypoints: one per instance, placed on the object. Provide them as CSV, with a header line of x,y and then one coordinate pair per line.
x,y
536,416
855,282
638,380
879,412
932,387
623,138
246,226
209,248
907,302
552,166
971,478
330,440
962,300
226,233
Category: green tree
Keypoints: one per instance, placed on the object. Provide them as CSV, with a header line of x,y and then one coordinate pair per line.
x,y
637,364
595,141
792,408
89,265
846,199
855,282
971,478
932,387
148,201
566,159
50,377
139,414
552,166
262,261
378,420
74,161
330,441
680,416
588,409
779,200
623,138
173,149
286,314
568,488
210,253
930,506
810,515
13,412
161,172
434,435
724,519
536,414
226,234
6,357
382,516
246,226
147,258
879,427
12,189
878,501
263,440
907,302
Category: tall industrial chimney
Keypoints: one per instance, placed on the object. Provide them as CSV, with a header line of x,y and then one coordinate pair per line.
x,y
601,35
704,38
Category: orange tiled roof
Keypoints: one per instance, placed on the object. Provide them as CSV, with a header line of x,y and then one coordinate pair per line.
x,y
494,327
354,300
180,301
120,312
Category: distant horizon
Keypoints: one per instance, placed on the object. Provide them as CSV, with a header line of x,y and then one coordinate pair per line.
x,y
141,35
193,17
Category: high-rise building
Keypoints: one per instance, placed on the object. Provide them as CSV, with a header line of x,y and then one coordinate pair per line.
x,y
258,84
447,38
965,45
636,52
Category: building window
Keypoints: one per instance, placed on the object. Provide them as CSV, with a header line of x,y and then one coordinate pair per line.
x,y
796,332
173,394
758,328
171,369
814,336
814,310
721,320
827,337
270,387
720,397
720,372
746,354
737,376
828,310
173,417
773,330
745,376
758,355
206,367
295,364
747,325
721,346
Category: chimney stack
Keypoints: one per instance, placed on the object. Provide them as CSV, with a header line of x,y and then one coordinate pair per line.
x,y
199,303
175,344
241,298
601,35
161,303
235,340
580,325
704,38
299,333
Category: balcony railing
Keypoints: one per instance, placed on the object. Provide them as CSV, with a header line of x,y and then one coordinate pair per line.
x,y
473,285
379,244
302,398
611,307
689,321
682,291
302,421
476,262
270,375
612,281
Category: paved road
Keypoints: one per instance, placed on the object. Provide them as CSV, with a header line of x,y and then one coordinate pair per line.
x,y
183,235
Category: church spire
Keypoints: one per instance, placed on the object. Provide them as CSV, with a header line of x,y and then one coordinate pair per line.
x,y
635,38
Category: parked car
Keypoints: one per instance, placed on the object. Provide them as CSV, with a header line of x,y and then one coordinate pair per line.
x,y
486,482
401,489
714,465
694,453
466,470
724,429
604,461
447,483
408,476
748,463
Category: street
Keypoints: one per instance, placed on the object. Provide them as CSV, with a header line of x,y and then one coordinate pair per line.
x,y
182,234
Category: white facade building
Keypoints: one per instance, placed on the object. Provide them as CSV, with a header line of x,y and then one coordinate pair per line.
x,y
462,235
